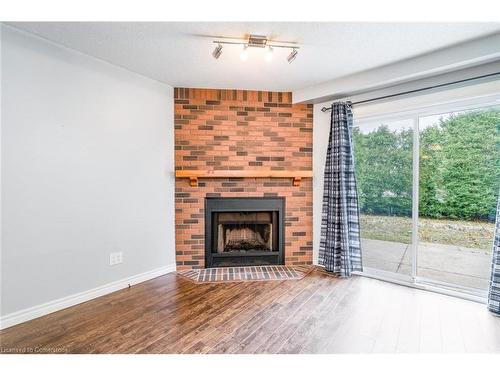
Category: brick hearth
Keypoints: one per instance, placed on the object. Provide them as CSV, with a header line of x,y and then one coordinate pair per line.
x,y
241,130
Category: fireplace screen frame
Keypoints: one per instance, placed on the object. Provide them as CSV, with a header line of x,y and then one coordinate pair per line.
x,y
214,205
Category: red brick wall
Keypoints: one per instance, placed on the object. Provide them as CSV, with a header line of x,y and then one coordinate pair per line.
x,y
240,130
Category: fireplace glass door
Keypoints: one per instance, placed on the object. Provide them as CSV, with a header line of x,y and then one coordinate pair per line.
x,y
245,232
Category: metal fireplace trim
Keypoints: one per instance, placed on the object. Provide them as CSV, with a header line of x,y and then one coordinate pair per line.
x,y
250,204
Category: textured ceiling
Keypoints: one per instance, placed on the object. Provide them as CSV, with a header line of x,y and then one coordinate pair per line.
x,y
179,54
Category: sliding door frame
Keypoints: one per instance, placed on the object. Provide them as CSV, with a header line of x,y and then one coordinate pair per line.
x,y
414,280
415,192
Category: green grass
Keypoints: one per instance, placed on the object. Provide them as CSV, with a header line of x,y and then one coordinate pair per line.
x,y
471,234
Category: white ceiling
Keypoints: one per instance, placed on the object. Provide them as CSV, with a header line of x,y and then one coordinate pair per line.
x,y
179,54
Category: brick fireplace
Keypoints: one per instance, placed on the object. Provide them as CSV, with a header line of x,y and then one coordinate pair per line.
x,y
240,133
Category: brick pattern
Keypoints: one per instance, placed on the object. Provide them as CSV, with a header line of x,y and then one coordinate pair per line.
x,y
253,273
240,130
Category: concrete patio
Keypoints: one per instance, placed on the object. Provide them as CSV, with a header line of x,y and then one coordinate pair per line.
x,y
446,263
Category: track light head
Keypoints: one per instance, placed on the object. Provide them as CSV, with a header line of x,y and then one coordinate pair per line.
x,y
292,56
244,53
269,54
217,51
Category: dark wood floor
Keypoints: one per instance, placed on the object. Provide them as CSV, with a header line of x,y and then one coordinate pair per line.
x,y
318,314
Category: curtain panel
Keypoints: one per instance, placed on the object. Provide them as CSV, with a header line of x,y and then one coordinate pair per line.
x,y
494,293
340,248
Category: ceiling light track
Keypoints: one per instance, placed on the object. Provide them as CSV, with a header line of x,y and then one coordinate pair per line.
x,y
256,41
245,42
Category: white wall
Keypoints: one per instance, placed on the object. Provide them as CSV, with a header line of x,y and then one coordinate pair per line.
x,y
321,133
87,169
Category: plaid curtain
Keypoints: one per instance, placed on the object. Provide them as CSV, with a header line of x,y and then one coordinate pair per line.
x,y
494,294
340,249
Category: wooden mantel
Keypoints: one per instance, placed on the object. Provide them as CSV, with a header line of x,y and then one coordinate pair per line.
x,y
195,175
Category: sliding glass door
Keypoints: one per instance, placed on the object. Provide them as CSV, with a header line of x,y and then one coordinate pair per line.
x,y
384,169
428,186
459,176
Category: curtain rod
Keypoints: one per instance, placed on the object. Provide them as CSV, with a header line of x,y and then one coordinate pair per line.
x,y
325,109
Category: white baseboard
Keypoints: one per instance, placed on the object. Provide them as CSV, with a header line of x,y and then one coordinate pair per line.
x,y
65,302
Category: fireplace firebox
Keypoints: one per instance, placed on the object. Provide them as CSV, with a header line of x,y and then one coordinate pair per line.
x,y
244,231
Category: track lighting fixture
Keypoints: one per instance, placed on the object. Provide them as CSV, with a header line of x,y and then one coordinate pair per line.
x,y
217,51
292,56
256,41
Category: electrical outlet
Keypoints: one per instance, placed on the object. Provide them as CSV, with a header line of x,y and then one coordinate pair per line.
x,y
115,258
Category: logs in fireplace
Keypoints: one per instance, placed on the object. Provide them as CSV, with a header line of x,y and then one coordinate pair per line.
x,y
244,231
